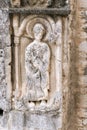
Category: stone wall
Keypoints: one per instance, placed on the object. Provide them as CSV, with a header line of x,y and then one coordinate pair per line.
x,y
81,65
5,53
70,111
77,107
70,75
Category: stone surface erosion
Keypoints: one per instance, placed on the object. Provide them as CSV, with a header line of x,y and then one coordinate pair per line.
x,y
37,57
43,68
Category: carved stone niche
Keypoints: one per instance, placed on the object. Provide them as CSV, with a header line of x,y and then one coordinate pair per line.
x,y
38,70
38,65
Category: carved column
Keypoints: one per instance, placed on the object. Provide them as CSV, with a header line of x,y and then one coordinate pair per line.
x,y
17,52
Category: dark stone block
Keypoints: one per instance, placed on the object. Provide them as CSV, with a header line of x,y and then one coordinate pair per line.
x,y
64,11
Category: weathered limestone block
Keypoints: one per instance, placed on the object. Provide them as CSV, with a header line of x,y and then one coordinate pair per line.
x,y
38,70
32,121
5,98
16,120
4,121
4,101
39,122
82,65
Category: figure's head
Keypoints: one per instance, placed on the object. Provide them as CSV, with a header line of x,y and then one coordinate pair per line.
x,y
39,31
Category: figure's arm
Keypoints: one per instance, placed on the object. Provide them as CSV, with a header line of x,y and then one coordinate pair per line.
x,y
28,63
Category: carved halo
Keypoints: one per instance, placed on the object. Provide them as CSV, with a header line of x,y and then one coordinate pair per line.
x,y
30,21
44,22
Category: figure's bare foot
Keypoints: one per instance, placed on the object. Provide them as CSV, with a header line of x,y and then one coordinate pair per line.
x,y
31,105
43,103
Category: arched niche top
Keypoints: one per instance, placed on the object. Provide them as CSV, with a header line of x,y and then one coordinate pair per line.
x,y
30,21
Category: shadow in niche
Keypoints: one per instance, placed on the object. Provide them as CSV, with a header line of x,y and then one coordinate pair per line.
x,y
1,112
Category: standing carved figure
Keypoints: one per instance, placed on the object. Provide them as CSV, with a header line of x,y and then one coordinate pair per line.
x,y
37,61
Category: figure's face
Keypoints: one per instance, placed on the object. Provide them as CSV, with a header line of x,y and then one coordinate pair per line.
x,y
38,31
39,35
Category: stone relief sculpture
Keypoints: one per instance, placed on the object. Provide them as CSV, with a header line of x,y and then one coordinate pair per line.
x,y
37,61
43,3
58,3
38,86
39,3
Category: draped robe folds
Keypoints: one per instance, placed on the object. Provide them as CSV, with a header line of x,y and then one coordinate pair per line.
x,y
37,61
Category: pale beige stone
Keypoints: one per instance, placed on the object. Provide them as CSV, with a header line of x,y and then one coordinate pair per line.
x,y
43,60
37,61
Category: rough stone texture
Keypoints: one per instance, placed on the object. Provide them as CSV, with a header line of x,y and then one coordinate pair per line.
x,y
81,102
4,43
38,3
69,70
3,3
16,120
68,108
76,108
59,7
